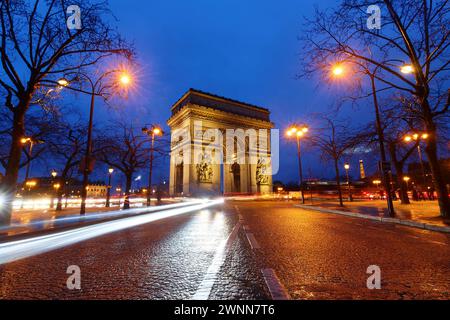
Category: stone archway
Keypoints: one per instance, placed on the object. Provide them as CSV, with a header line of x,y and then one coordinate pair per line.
x,y
201,159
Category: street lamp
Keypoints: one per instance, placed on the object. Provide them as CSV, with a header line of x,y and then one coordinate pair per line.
x,y
417,137
152,131
338,70
406,179
98,88
63,82
298,132
108,190
347,167
377,183
384,164
30,184
52,196
407,69
32,142
119,190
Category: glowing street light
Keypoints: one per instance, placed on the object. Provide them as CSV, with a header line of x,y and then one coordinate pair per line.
x,y
30,184
97,88
32,142
152,131
347,168
406,179
108,188
63,82
298,132
407,69
52,198
338,71
417,137
125,79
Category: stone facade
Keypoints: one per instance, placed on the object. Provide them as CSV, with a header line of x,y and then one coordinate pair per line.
x,y
201,163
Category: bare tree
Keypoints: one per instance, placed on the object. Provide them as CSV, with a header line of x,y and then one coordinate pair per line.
x,y
395,128
333,138
66,145
40,123
413,33
37,48
124,148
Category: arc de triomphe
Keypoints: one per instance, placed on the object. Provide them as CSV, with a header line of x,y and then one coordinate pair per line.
x,y
219,146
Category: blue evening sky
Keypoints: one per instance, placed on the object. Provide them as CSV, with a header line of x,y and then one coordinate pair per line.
x,y
245,50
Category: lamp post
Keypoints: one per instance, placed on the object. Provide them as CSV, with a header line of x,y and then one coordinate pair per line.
x,y
108,190
347,167
339,71
30,152
119,190
100,87
406,179
298,132
52,196
152,131
32,142
56,186
417,137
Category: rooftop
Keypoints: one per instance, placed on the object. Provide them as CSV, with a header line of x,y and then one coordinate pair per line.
x,y
205,99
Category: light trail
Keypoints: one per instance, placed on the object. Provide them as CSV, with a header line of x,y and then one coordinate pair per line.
x,y
94,216
16,250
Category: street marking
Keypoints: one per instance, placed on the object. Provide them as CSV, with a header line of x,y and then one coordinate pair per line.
x,y
204,290
276,288
252,240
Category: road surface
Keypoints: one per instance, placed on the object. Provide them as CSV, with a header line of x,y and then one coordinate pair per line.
x,y
220,252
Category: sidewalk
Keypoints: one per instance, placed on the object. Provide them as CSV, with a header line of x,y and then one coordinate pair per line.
x,y
422,214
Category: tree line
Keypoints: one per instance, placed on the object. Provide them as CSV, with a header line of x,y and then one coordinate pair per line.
x,y
402,67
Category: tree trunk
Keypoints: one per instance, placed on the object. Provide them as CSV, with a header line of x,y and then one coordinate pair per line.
x,y
404,199
126,203
9,185
338,182
399,171
60,195
431,151
438,181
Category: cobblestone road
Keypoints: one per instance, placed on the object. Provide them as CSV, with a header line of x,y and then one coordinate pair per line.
x,y
314,255
325,256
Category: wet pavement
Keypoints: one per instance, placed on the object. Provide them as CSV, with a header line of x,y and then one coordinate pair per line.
x,y
321,256
315,256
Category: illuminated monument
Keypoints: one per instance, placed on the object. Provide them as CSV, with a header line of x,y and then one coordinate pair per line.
x,y
219,146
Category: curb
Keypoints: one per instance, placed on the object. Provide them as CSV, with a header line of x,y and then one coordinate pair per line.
x,y
408,223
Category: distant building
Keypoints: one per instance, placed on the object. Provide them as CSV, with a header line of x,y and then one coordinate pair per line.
x,y
96,190
43,186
